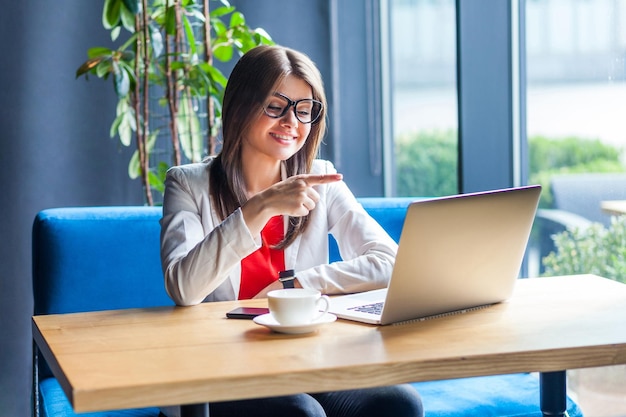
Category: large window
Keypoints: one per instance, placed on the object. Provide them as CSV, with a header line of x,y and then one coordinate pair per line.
x,y
424,97
576,95
576,129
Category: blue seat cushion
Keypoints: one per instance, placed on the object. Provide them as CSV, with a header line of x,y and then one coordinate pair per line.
x,y
515,395
54,403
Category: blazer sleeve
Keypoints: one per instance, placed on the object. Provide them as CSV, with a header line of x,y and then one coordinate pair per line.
x,y
197,255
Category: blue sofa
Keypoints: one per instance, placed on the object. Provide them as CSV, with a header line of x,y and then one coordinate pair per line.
x,y
101,258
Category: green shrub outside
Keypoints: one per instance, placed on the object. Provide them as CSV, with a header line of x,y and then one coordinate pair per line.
x,y
594,250
426,164
426,161
570,155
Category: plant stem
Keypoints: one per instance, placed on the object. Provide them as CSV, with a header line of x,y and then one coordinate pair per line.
x,y
142,146
136,103
210,108
172,86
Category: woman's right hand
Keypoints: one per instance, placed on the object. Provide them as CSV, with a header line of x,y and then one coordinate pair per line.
x,y
294,197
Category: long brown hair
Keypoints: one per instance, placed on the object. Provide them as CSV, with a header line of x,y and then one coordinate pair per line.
x,y
254,78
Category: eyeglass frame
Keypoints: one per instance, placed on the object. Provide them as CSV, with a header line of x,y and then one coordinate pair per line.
x,y
293,104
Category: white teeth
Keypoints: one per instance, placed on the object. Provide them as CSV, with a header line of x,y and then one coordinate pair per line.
x,y
283,137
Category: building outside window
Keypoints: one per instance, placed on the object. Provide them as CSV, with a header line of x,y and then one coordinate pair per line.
x,y
576,95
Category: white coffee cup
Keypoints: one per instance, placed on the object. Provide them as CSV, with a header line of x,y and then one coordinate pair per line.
x,y
297,306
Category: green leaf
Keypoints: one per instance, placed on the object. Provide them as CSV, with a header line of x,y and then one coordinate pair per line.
x,y
103,69
162,169
99,51
156,40
217,76
125,132
170,20
111,13
156,182
221,11
88,65
177,65
115,126
126,56
219,27
262,37
132,6
130,71
191,39
197,15
128,18
189,130
237,19
134,169
223,52
121,81
244,43
124,124
115,33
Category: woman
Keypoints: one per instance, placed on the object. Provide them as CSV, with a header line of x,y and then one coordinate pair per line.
x,y
265,204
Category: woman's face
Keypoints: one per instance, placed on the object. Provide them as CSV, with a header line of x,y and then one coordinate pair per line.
x,y
278,139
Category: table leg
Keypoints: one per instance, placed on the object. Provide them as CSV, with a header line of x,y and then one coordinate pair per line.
x,y
553,395
194,410
35,393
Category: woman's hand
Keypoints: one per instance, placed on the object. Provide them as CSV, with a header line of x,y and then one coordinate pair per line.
x,y
294,196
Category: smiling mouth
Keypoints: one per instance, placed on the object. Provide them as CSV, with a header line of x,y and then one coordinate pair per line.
x,y
283,137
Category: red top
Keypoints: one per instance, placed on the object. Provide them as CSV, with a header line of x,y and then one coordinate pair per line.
x,y
261,267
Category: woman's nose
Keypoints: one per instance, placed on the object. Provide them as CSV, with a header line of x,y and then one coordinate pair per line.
x,y
290,118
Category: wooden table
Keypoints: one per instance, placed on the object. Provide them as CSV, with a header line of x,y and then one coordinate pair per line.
x,y
193,355
614,207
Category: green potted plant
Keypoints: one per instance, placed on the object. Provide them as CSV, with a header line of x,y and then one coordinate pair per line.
x,y
165,79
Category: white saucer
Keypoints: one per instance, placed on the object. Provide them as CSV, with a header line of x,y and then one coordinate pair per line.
x,y
268,321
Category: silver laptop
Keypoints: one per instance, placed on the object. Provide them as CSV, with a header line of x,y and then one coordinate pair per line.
x,y
455,253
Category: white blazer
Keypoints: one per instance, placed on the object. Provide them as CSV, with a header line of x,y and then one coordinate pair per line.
x,y
201,255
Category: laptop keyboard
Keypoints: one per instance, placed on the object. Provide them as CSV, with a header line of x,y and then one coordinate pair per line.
x,y
375,308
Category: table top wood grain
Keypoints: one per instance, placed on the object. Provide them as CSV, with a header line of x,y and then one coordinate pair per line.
x,y
182,355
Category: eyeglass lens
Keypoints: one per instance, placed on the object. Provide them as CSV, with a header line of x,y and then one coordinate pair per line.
x,y
306,110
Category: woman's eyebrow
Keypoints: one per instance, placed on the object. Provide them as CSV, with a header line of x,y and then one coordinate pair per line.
x,y
282,95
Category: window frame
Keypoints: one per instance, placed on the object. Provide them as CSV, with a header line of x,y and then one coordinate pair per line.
x,y
491,95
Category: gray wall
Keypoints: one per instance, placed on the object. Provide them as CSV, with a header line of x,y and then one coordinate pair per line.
x,y
54,151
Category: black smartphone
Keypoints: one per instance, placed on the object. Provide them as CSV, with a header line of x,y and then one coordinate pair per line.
x,y
246,312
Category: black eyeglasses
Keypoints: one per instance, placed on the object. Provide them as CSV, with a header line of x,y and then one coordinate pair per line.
x,y
306,110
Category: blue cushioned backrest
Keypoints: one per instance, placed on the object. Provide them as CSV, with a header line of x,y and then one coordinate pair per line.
x,y
97,258
102,258
94,258
388,212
